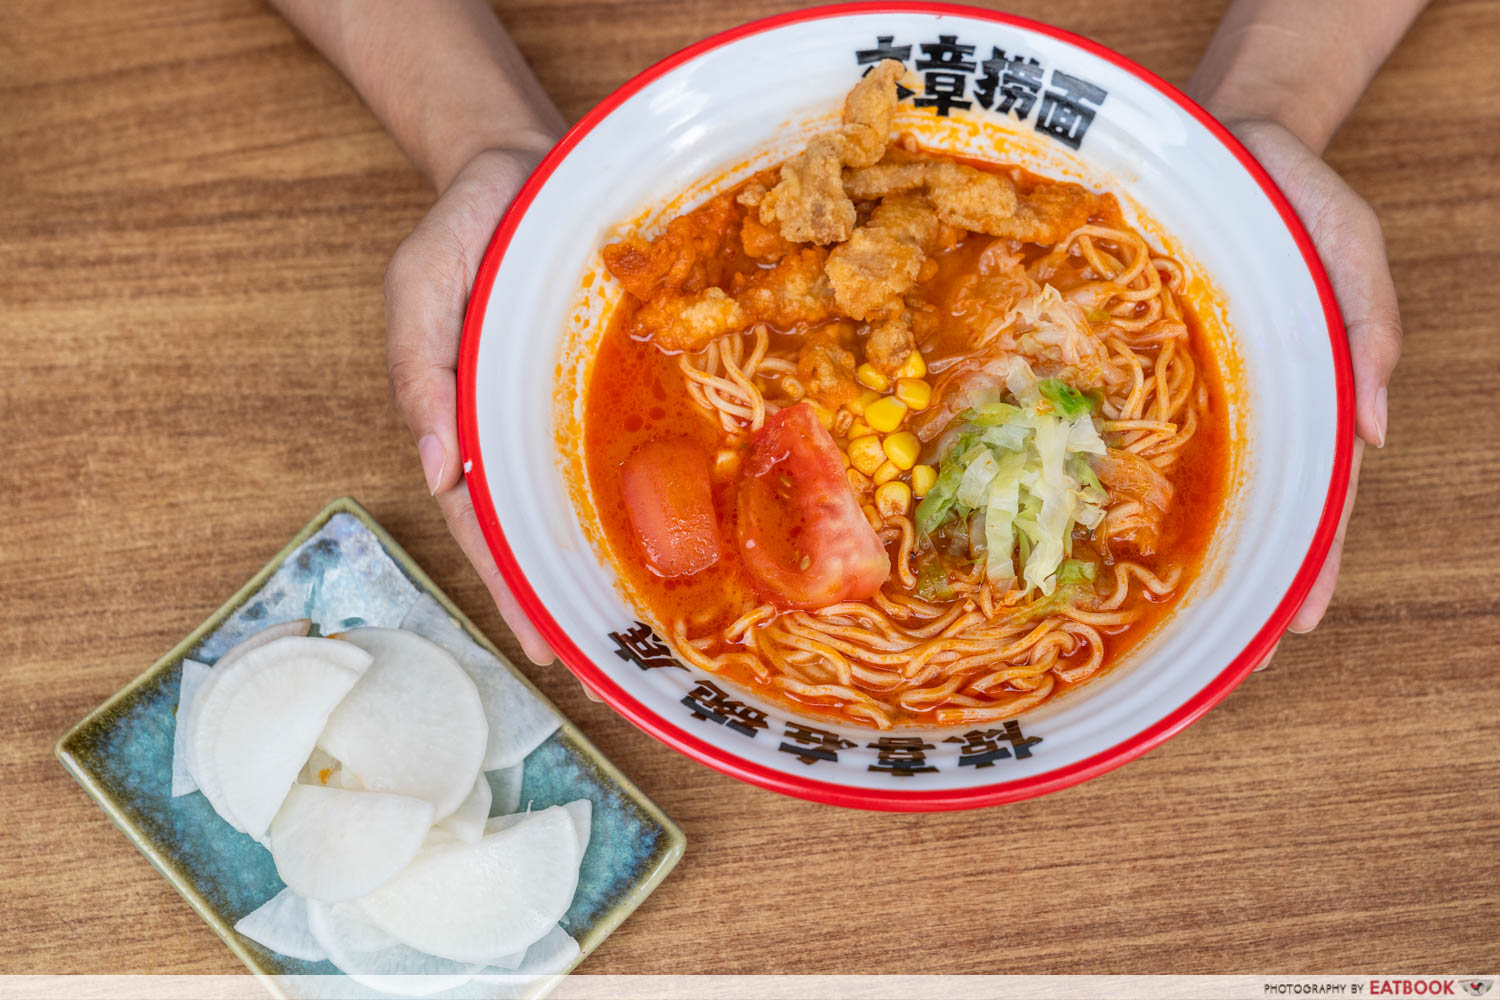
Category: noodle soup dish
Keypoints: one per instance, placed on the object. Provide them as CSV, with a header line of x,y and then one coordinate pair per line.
x,y
917,440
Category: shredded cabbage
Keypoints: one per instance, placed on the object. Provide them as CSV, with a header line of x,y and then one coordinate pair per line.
x,y
1020,471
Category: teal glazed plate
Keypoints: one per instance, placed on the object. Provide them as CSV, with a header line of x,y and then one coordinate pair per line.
x,y
343,571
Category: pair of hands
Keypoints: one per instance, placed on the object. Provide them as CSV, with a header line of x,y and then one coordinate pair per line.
x,y
427,287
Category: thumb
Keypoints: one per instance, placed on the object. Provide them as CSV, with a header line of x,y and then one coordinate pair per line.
x,y
426,292
1350,241
1347,234
424,316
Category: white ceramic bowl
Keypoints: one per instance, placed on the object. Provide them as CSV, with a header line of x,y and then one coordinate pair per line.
x,y
704,119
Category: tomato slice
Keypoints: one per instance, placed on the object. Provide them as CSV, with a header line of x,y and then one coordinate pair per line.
x,y
802,536
670,502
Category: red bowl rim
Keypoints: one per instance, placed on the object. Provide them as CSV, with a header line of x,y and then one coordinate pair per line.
x,y
599,681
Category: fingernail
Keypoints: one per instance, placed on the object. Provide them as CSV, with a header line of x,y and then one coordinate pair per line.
x,y
1301,631
430,451
1265,661
1380,406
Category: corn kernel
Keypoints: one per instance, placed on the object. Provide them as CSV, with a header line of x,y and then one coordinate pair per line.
x,y
866,454
859,429
858,406
872,378
914,366
914,392
886,472
893,499
823,413
858,482
923,477
902,448
873,516
726,464
885,414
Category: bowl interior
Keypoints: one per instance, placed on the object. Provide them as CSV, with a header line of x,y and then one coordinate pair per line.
x,y
716,113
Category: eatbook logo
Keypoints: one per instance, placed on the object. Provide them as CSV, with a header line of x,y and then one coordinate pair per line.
x,y
1477,987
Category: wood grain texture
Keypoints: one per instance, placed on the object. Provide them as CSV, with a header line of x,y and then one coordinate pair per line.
x,y
195,213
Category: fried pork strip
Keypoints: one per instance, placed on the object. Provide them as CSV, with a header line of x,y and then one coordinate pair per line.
x,y
808,203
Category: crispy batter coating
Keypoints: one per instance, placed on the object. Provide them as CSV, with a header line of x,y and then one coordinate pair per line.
x,y
762,242
690,254
825,364
884,257
691,286
893,175
890,342
977,200
970,198
1049,213
808,203
964,196
868,111
680,322
794,293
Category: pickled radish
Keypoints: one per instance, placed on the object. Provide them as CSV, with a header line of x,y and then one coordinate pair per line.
x,y
270,633
505,789
373,958
472,902
193,676
582,811
467,821
519,720
413,724
356,761
331,844
255,723
280,924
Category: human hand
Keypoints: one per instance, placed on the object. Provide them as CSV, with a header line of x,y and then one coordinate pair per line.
x,y
426,291
1347,235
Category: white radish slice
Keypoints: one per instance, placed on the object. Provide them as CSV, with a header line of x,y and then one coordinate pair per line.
x,y
331,844
495,824
519,720
467,821
505,789
280,924
346,779
321,769
257,722
507,963
270,633
413,724
555,953
438,835
373,958
188,723
472,902
297,627
582,811
193,676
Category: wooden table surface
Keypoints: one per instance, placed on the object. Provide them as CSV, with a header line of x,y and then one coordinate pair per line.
x,y
195,213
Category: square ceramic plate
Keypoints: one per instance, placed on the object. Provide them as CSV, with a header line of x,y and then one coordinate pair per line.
x,y
342,571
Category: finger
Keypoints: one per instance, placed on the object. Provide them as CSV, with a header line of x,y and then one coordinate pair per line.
x,y
1362,282
1266,660
1347,233
424,306
426,293
1316,603
458,511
